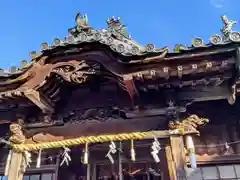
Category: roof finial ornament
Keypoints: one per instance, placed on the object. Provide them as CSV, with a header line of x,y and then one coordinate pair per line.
x,y
228,24
228,34
115,36
112,22
81,25
81,20
118,29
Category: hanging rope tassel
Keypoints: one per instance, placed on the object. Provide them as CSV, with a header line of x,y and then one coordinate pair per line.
x,y
9,157
85,159
133,154
191,150
39,159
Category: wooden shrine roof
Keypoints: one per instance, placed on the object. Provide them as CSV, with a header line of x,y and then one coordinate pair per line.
x,y
116,41
111,55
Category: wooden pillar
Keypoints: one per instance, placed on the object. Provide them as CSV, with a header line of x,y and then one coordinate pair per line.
x,y
170,163
120,168
93,172
88,172
178,155
16,167
55,176
15,172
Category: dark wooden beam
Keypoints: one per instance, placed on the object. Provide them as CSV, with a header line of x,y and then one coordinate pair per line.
x,y
95,128
204,93
219,159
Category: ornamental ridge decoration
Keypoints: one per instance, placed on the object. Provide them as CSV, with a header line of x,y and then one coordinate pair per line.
x,y
115,36
228,35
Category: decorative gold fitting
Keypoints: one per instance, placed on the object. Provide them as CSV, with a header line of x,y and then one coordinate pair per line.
x,y
209,65
140,76
166,72
194,66
153,72
180,71
224,64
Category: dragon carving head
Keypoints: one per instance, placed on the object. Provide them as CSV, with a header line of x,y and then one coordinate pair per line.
x,y
75,73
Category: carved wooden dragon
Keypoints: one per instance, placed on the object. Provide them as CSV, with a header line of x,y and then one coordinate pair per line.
x,y
17,136
74,73
190,124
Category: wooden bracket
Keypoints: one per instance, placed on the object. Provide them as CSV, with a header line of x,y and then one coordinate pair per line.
x,y
130,86
40,100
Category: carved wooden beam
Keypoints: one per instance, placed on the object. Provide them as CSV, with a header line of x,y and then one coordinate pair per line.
x,y
40,138
40,100
70,130
166,70
52,123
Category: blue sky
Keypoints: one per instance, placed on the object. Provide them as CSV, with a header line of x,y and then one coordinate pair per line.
x,y
26,24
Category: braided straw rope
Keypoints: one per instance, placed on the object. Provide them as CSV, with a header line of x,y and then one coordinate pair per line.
x,y
91,139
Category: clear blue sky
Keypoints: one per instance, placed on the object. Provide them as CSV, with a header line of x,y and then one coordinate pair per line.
x,y
26,24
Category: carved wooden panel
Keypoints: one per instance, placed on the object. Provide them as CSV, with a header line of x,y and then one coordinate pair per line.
x,y
83,104
85,98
